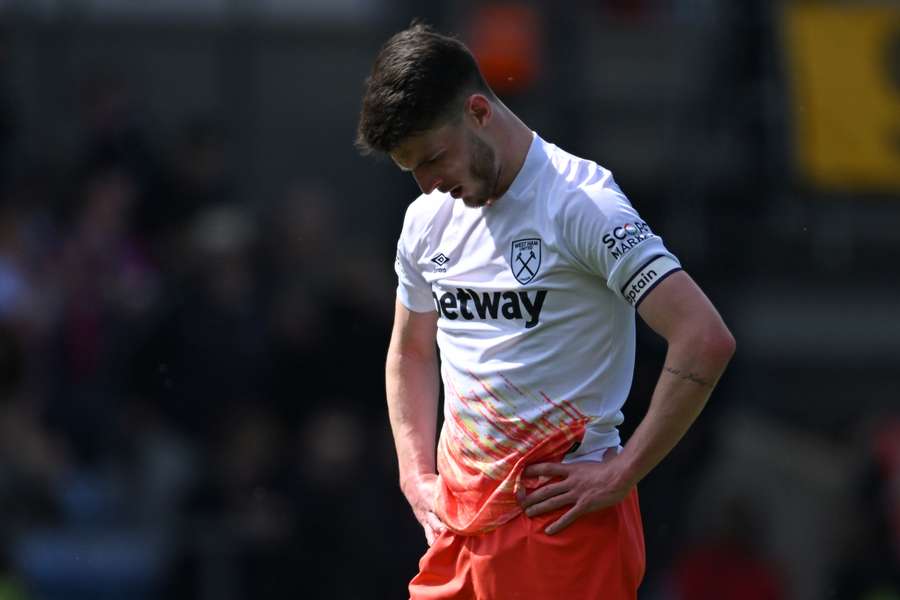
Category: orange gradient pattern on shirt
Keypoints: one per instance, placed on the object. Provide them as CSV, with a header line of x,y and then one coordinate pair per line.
x,y
493,430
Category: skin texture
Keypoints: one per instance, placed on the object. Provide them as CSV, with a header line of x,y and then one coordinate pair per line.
x,y
476,157
699,348
412,380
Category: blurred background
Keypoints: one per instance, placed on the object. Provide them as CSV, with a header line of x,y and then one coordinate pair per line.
x,y
196,286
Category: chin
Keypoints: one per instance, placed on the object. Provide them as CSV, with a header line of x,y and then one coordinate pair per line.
x,y
475,202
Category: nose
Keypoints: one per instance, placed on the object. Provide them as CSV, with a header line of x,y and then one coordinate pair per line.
x,y
427,183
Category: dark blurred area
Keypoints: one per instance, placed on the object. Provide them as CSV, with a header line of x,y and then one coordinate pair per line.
x,y
196,286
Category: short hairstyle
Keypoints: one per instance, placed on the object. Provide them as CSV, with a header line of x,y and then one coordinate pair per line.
x,y
418,78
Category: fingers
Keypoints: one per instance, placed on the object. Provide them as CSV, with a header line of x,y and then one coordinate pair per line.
x,y
434,523
551,504
547,469
541,494
549,497
565,520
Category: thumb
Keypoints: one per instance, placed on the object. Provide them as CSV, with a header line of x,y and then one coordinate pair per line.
x,y
434,522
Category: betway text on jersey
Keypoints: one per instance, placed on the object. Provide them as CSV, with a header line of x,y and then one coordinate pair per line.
x,y
468,304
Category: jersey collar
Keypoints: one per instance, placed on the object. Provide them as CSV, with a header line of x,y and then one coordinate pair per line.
x,y
534,160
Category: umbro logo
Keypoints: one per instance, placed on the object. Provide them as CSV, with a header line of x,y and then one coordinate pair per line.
x,y
440,260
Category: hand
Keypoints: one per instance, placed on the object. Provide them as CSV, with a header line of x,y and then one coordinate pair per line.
x,y
586,486
421,492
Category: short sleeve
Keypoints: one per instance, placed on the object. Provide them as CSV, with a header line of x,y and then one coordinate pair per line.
x,y
608,238
412,289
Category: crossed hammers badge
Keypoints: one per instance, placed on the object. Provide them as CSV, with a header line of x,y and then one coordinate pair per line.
x,y
525,259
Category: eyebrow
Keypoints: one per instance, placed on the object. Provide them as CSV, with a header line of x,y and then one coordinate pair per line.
x,y
431,157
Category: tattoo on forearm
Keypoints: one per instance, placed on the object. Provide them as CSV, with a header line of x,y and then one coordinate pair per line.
x,y
693,377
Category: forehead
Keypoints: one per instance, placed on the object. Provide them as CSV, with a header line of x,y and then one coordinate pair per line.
x,y
419,147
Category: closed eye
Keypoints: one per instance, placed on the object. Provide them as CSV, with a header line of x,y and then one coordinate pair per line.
x,y
427,161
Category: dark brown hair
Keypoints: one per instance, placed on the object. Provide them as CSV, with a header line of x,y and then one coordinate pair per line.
x,y
417,82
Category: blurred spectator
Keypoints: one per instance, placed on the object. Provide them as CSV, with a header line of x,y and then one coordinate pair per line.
x,y
305,238
729,563
243,490
30,465
31,462
195,180
208,351
17,294
109,288
29,240
8,129
113,132
11,585
12,364
869,560
507,39
331,297
341,491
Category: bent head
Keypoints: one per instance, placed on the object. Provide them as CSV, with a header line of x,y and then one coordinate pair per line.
x,y
426,104
452,158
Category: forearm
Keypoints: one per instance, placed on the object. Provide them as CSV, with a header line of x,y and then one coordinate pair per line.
x,y
700,347
412,396
691,370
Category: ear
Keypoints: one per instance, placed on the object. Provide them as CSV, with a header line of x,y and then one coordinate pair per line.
x,y
479,110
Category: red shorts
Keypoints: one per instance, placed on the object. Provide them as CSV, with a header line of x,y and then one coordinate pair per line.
x,y
598,557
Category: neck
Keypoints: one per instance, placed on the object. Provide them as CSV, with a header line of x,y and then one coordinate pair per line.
x,y
515,140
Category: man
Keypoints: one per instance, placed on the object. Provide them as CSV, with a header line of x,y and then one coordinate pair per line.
x,y
527,265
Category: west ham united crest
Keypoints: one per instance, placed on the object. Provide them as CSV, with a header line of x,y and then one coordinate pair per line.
x,y
525,259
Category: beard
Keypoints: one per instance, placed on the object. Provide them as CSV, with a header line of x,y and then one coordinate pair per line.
x,y
484,172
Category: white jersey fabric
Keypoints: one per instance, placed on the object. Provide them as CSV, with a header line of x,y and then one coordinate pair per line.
x,y
536,298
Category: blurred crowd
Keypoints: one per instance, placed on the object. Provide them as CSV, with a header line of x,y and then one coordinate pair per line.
x,y
191,385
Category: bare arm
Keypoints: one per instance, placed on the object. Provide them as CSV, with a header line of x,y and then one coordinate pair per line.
x,y
699,348
411,377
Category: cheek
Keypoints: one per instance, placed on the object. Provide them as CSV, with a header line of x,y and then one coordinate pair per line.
x,y
456,171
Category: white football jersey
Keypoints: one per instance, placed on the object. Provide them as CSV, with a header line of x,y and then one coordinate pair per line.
x,y
536,297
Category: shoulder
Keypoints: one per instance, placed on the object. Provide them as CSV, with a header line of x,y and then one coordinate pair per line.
x,y
593,221
421,214
582,191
